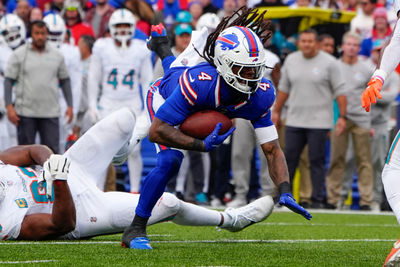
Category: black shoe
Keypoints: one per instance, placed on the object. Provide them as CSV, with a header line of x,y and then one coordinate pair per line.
x,y
365,207
305,204
330,206
136,229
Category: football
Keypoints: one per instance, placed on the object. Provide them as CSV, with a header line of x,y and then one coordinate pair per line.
x,y
202,123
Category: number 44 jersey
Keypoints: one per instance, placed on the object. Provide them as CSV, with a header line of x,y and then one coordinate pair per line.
x,y
23,197
119,72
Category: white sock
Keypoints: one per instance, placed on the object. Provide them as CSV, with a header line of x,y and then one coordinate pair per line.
x,y
194,215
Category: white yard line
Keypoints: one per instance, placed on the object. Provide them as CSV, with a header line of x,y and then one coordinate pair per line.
x,y
201,241
22,262
327,224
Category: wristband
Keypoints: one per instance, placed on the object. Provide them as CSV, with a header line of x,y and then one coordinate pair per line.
x,y
380,74
284,188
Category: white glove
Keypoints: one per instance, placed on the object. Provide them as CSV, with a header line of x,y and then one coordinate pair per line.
x,y
55,168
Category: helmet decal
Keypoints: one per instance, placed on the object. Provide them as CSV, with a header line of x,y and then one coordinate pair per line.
x,y
228,41
253,47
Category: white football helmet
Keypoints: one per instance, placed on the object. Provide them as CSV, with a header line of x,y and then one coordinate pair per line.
x,y
239,50
209,20
12,30
118,17
57,29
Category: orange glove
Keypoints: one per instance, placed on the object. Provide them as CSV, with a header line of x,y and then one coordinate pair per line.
x,y
371,92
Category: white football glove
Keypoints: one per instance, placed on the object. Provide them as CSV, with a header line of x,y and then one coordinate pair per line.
x,y
55,168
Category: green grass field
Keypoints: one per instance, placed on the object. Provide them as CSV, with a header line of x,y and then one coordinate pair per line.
x,y
284,239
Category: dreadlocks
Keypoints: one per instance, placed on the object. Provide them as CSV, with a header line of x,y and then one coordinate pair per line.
x,y
246,17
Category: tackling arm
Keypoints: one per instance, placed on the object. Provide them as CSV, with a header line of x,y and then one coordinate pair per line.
x,y
26,155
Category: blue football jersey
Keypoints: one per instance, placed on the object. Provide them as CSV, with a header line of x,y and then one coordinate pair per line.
x,y
188,90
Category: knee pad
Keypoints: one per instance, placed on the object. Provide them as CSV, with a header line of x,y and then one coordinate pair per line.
x,y
170,160
170,202
125,120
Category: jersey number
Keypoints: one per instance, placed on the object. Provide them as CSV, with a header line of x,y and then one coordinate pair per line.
x,y
127,80
39,194
204,77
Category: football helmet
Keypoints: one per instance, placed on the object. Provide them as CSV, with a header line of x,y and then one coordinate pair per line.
x,y
240,58
56,27
12,30
209,20
119,17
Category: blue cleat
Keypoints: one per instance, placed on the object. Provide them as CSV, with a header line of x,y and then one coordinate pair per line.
x,y
140,243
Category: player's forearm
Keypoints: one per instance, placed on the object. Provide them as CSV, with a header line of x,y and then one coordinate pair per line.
x,y
63,215
280,101
26,155
276,162
342,104
164,134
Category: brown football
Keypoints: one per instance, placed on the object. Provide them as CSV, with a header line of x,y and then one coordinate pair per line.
x,y
202,123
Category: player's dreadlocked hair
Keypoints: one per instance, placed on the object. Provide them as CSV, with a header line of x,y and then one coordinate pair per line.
x,y
246,17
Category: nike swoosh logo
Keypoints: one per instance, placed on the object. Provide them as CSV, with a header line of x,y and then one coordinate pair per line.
x,y
190,78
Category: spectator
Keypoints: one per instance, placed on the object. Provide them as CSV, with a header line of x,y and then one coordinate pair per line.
x,y
208,7
363,22
36,14
380,32
72,13
327,44
196,10
23,11
230,6
167,10
55,6
310,80
98,17
36,107
358,123
144,12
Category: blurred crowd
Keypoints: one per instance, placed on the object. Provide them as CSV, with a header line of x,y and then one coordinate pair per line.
x,y
319,75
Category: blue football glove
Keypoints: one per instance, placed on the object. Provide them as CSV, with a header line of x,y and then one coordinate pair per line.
x,y
288,200
214,139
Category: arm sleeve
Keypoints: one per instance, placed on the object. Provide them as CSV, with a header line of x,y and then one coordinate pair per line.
x,y
284,83
65,85
8,83
62,69
175,108
13,67
391,56
336,79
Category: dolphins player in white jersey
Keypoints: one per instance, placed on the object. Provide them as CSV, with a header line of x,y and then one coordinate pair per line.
x,y
72,57
120,66
390,58
12,35
70,205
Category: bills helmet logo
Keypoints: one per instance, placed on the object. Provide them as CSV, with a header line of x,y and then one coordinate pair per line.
x,y
228,41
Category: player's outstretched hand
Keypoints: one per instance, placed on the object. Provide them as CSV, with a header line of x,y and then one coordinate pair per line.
x,y
288,200
214,139
55,168
371,93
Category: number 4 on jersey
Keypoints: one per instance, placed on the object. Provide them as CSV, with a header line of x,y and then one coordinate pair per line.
x,y
204,77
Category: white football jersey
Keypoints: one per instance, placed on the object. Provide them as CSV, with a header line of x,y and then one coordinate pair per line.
x,y
72,58
119,72
23,197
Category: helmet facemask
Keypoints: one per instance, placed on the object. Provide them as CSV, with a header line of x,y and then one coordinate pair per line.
x,y
122,32
13,36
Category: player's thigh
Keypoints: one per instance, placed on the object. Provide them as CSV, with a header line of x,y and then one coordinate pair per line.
x,y
93,152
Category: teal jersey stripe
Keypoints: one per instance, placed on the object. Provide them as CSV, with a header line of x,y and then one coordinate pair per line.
x,y
396,140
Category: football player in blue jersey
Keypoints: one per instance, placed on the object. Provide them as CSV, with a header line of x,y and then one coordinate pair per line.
x,y
230,81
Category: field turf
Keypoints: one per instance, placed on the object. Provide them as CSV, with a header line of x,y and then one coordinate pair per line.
x,y
284,239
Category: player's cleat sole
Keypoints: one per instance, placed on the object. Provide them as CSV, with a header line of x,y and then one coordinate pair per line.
x,y
140,243
254,212
393,259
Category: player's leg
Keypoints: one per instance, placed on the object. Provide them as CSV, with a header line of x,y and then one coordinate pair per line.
x,y
168,163
93,152
135,166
